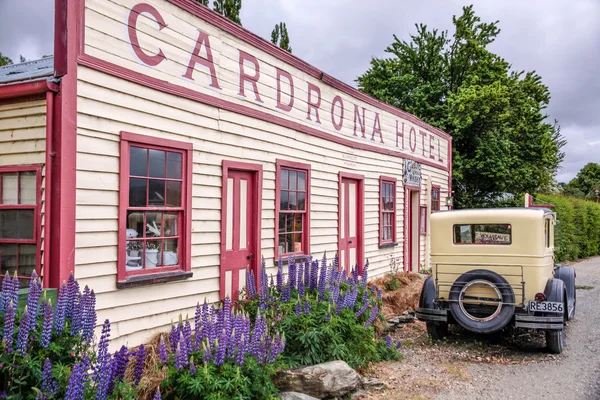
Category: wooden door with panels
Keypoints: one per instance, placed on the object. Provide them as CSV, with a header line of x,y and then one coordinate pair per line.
x,y
240,225
351,221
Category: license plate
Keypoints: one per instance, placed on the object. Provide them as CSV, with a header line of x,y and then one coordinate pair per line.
x,y
546,306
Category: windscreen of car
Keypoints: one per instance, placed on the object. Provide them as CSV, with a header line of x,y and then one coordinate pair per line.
x,y
497,234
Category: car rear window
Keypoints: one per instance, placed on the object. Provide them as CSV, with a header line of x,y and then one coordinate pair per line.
x,y
496,234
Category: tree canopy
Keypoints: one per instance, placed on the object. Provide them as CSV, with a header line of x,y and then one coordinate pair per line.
x,y
228,8
4,60
280,37
503,146
585,183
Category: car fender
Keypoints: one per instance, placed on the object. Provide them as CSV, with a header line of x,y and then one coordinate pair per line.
x,y
428,294
555,292
567,275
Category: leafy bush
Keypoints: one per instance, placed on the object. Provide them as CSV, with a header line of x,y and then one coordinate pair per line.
x,y
324,314
577,234
226,357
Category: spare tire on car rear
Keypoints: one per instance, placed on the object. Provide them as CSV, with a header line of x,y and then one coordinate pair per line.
x,y
491,314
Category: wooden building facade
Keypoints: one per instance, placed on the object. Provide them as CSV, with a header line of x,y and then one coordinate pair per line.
x,y
164,150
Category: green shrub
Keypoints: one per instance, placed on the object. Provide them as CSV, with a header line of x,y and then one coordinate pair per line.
x,y
577,233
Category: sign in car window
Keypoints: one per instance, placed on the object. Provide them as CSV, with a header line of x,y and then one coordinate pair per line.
x,y
500,234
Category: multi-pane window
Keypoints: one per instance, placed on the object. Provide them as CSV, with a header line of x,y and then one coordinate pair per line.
x,y
19,221
435,198
293,196
387,207
156,209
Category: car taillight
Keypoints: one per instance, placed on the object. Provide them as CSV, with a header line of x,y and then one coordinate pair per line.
x,y
540,297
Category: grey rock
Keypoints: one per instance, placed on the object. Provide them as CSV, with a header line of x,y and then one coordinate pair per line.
x,y
358,395
372,383
331,379
295,396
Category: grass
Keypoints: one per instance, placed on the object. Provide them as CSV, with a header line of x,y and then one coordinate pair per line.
x,y
579,287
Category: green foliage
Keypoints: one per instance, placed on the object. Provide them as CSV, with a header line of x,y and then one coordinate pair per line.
x,y
577,233
501,142
203,2
280,37
585,183
229,8
229,381
4,60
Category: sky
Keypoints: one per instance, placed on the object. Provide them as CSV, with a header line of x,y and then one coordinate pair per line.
x,y
560,39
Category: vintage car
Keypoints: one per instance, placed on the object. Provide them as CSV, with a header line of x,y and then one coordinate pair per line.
x,y
495,267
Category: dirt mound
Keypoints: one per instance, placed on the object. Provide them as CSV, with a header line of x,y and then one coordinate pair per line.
x,y
400,292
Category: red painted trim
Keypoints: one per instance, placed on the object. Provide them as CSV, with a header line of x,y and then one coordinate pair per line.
x,y
408,228
450,191
388,179
50,102
180,91
423,223
26,89
257,172
545,205
439,189
306,232
62,188
185,248
360,209
238,31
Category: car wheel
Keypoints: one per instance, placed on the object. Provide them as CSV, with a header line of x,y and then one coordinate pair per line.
x,y
555,341
481,314
437,330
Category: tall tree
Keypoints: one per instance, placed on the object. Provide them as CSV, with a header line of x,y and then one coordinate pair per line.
x,y
502,143
585,183
4,60
280,37
229,8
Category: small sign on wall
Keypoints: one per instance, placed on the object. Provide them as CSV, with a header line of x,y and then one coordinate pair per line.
x,y
412,173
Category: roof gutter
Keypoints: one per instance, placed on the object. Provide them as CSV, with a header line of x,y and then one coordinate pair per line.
x,y
26,89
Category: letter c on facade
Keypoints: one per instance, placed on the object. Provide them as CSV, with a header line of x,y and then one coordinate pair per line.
x,y
148,59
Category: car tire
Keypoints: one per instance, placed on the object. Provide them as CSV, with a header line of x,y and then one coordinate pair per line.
x,y
555,341
501,317
437,330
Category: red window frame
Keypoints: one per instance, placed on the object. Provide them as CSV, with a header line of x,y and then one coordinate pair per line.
x,y
305,233
423,220
37,237
129,140
436,199
387,180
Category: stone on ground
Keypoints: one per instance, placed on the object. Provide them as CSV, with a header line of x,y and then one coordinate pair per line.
x,y
331,379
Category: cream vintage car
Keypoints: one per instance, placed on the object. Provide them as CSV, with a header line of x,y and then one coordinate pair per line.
x,y
495,267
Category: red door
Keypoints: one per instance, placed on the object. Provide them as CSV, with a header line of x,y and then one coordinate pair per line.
x,y
350,223
239,237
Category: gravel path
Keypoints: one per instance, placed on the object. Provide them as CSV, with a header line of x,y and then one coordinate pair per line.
x,y
575,374
509,366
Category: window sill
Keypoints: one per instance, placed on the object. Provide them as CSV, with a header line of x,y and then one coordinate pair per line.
x,y
151,279
387,245
300,258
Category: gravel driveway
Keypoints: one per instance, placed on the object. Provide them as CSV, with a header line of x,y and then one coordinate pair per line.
x,y
501,368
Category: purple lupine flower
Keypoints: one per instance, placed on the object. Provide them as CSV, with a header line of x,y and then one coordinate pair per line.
x,y
221,349
187,337
323,277
334,294
306,280
340,304
256,335
355,274
206,354
180,359
298,307
138,368
72,288
157,395
33,298
328,315
274,349
279,281
89,315
264,280
314,273
118,367
220,324
162,351
388,342
300,280
351,300
250,284
374,313
306,306
212,332
76,386
398,345
336,263
379,294
24,329
192,366
9,326
285,295
173,337
76,318
241,350
5,292
197,318
227,315
61,309
103,357
49,384
365,274
46,325
362,309
15,289
292,273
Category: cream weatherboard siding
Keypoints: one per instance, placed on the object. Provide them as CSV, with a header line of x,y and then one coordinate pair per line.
x,y
107,105
23,141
